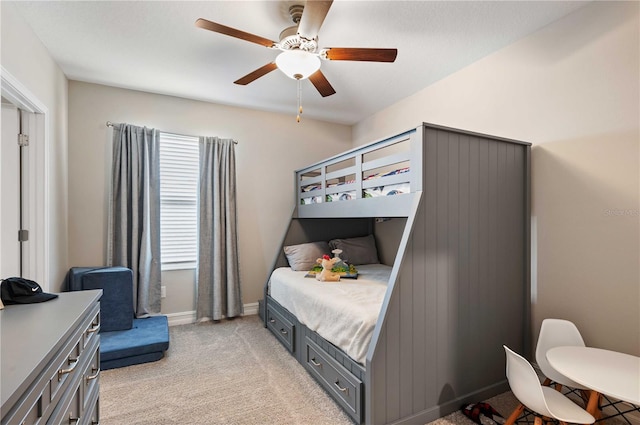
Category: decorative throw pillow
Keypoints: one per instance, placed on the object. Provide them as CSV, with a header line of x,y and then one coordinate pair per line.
x,y
303,257
357,251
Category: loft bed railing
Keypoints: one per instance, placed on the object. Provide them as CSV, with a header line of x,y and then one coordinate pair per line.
x,y
378,179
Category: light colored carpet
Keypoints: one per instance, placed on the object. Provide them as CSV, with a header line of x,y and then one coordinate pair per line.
x,y
232,372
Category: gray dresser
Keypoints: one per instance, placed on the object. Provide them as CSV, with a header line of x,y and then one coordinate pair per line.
x,y
50,357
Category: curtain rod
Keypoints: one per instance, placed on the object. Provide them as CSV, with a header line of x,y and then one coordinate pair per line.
x,y
110,124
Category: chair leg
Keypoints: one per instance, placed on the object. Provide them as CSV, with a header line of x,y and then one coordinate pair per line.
x,y
547,383
537,421
513,417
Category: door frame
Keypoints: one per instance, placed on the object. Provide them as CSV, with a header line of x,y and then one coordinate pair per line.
x,y
37,221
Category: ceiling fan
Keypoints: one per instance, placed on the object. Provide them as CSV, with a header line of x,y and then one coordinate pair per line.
x,y
300,57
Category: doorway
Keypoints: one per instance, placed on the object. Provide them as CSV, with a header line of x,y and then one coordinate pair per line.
x,y
11,195
23,113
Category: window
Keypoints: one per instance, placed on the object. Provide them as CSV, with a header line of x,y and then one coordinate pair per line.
x,y
178,201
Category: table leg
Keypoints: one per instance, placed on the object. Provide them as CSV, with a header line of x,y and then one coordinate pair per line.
x,y
593,405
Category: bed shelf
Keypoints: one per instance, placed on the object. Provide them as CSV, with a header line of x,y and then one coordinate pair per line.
x,y
380,178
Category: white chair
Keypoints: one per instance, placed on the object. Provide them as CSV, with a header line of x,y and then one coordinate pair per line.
x,y
541,401
557,333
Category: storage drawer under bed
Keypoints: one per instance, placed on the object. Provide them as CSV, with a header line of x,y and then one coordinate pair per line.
x,y
343,386
282,328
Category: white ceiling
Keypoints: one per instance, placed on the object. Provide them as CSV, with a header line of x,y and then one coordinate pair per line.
x,y
155,47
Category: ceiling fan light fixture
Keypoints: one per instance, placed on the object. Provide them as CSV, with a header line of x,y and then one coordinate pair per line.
x,y
298,64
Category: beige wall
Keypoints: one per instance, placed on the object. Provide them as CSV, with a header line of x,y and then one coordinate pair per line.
x,y
572,90
270,146
28,61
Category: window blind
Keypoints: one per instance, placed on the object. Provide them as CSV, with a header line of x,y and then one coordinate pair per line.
x,y
178,201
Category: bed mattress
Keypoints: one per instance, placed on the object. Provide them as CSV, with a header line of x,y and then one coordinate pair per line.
x,y
344,313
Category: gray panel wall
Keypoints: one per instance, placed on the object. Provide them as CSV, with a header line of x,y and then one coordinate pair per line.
x,y
461,291
388,234
303,230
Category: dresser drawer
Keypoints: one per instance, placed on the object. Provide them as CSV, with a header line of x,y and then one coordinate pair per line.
x,y
69,358
344,387
91,378
92,330
81,392
42,375
67,363
92,416
29,414
70,411
283,329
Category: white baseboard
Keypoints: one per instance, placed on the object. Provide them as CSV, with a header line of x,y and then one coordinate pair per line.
x,y
250,309
187,317
182,318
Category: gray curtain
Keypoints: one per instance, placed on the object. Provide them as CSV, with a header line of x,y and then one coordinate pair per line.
x,y
218,293
134,213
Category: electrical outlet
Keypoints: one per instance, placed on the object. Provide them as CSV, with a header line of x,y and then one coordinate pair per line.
x,y
163,292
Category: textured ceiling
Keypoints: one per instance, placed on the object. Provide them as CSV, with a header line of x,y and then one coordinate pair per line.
x,y
154,46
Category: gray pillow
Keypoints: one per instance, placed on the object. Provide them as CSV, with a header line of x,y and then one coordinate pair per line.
x,y
303,256
357,251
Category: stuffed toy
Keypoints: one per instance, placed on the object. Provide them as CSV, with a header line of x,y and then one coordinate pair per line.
x,y
326,275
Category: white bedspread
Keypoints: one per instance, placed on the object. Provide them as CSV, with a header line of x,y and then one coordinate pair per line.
x,y
344,313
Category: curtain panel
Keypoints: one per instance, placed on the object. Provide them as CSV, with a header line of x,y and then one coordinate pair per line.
x,y
133,238
218,274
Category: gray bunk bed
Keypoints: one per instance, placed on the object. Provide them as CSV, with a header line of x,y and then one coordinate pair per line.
x,y
455,234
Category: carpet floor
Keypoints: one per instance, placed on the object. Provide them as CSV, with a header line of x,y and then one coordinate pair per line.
x,y
233,373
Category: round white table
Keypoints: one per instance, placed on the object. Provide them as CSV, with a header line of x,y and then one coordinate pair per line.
x,y
607,372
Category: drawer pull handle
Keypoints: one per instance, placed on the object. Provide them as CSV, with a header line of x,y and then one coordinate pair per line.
x,y
94,376
61,372
283,332
94,329
313,361
73,420
272,320
344,390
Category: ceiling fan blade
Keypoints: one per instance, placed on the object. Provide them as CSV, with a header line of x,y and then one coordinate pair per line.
x,y
361,54
222,29
312,18
321,83
252,76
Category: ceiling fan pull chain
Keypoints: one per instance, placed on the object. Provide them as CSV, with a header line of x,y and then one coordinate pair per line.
x,y
299,100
